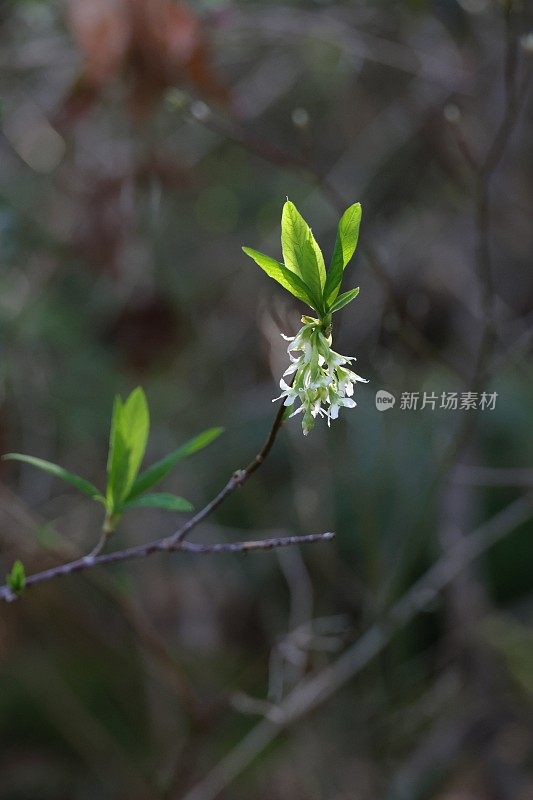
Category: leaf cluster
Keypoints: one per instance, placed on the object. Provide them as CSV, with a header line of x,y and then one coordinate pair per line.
x,y
127,487
303,272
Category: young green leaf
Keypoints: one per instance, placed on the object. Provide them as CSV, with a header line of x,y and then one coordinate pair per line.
x,y
58,472
289,280
156,472
115,419
319,258
300,252
170,502
117,457
346,242
343,300
135,423
16,579
129,433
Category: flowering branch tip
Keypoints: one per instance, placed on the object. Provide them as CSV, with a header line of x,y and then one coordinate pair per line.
x,y
322,381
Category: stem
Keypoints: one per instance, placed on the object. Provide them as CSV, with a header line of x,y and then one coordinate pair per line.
x,y
165,545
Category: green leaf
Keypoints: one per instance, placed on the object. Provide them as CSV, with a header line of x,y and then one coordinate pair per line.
x,y
16,579
347,236
343,300
135,424
115,419
319,258
300,251
289,280
54,469
118,459
170,502
129,433
156,472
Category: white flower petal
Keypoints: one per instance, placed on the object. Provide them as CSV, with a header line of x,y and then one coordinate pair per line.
x,y
347,402
291,368
296,412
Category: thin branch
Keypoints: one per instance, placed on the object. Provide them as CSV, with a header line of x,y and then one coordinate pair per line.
x,y
237,479
166,545
514,96
493,476
101,543
255,544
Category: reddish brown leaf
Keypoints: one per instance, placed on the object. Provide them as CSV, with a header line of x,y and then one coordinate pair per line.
x,y
148,44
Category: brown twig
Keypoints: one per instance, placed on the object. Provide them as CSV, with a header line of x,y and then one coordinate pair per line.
x,y
514,93
236,480
166,545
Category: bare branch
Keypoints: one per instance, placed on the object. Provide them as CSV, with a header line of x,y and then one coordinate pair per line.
x,y
514,95
493,476
166,545
237,479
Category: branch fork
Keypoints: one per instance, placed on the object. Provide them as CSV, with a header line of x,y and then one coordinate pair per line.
x,y
176,542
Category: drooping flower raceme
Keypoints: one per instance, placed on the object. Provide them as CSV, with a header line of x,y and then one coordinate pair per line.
x,y
322,382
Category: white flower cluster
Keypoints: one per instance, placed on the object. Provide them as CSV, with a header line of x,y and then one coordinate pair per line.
x,y
322,382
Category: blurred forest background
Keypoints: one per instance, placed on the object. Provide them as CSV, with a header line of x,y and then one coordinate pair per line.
x,y
142,143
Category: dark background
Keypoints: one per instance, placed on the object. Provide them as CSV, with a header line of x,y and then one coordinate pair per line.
x,y
142,143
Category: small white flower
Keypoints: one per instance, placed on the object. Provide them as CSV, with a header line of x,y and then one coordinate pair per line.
x,y
292,367
322,382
